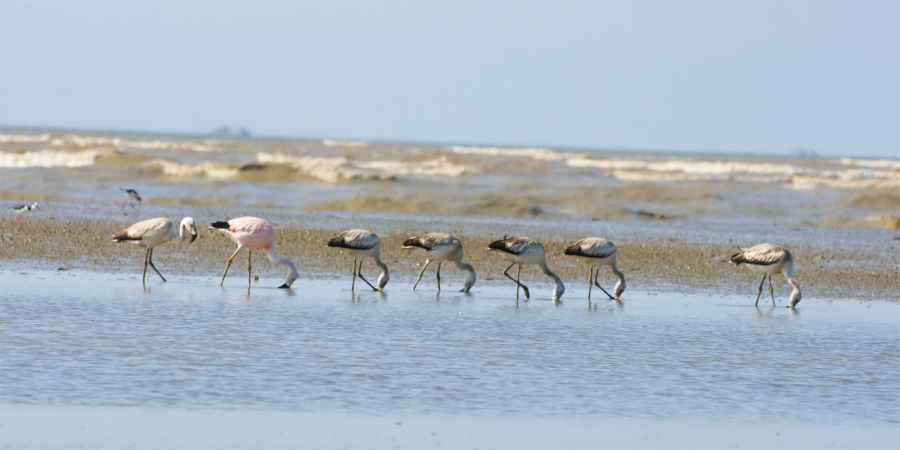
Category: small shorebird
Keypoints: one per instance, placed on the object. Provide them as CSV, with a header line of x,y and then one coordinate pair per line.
x,y
361,244
253,233
521,251
24,209
153,232
130,196
769,260
595,253
442,248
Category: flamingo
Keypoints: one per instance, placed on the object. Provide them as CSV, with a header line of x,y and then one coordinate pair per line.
x,y
153,232
24,209
361,244
441,247
254,233
597,252
130,195
521,251
769,260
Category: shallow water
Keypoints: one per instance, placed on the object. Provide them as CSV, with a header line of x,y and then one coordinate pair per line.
x,y
86,339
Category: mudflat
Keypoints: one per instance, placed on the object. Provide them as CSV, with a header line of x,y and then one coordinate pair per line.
x,y
656,256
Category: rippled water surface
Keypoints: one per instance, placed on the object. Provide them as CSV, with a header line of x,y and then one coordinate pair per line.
x,y
87,339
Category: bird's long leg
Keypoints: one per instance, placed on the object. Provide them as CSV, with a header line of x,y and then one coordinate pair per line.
x,y
601,287
361,277
760,290
427,262
154,267
518,285
771,291
144,275
439,275
249,255
229,264
353,283
591,276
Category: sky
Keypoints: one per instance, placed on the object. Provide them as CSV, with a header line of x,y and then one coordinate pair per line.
x,y
747,77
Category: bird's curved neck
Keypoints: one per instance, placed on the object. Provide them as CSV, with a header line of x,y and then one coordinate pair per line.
x,y
381,264
618,273
465,266
795,286
550,273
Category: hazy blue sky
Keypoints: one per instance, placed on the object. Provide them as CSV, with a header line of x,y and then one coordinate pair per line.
x,y
763,77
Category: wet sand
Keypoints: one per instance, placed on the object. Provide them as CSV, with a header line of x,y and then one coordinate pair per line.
x,y
655,256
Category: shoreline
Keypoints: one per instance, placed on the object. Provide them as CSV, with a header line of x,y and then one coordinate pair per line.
x,y
655,257
135,427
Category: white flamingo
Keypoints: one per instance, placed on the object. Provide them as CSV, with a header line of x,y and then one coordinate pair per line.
x,y
361,244
254,233
596,253
521,251
153,232
442,248
769,260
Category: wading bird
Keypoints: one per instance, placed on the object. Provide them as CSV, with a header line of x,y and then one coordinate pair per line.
x,y
521,251
359,245
442,248
130,196
253,233
153,232
24,209
595,253
769,260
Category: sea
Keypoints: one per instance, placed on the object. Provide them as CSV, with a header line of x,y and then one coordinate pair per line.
x,y
325,174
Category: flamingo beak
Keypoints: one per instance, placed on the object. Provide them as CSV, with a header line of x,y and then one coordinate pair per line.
x,y
286,285
193,233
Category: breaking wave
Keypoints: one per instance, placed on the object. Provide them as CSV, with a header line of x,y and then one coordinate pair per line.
x,y
335,169
23,138
52,158
336,143
534,153
217,171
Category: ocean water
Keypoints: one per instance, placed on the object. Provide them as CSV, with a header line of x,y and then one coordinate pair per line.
x,y
448,179
83,339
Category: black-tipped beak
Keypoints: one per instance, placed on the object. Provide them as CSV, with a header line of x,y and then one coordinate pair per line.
x,y
285,286
193,234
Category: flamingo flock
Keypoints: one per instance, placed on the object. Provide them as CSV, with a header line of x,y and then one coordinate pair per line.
x,y
254,233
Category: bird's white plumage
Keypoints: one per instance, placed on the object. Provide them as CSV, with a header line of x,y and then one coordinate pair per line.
x,y
597,252
768,260
361,244
154,232
520,250
441,247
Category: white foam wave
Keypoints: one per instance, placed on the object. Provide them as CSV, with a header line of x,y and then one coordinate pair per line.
x,y
329,169
51,158
751,172
684,166
534,153
336,143
206,145
23,138
434,167
885,164
337,168
212,170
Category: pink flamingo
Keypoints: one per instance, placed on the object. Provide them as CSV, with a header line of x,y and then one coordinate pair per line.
x,y
254,234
